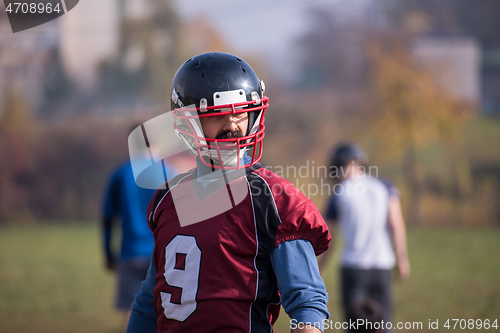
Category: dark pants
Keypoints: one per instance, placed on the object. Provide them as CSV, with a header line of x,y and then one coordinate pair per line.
x,y
359,284
131,273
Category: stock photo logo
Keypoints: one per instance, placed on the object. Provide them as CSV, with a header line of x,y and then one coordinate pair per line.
x,y
24,14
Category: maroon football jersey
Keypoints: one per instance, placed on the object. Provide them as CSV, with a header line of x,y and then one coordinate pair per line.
x,y
215,274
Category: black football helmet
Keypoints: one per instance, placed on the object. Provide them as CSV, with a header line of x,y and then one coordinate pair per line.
x,y
345,153
212,85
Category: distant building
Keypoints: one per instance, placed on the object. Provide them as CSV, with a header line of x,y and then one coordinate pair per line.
x,y
455,63
89,35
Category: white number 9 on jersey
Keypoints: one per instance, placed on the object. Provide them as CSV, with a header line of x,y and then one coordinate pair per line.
x,y
182,275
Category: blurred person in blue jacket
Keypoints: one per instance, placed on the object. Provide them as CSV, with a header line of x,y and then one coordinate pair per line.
x,y
126,201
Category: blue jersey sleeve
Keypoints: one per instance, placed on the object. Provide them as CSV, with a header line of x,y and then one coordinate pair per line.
x,y
393,190
303,293
332,212
143,315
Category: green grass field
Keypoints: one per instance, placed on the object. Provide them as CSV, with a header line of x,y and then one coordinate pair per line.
x,y
52,280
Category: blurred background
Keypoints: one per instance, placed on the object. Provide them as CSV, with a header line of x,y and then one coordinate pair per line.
x,y
416,83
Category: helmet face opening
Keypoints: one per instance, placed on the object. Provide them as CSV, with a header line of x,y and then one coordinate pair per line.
x,y
216,85
234,153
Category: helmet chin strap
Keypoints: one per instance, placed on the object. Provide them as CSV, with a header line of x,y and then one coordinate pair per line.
x,y
229,156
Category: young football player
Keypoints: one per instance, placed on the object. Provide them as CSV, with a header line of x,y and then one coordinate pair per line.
x,y
127,202
233,240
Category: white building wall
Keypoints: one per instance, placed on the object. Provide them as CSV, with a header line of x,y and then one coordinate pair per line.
x,y
454,61
89,35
